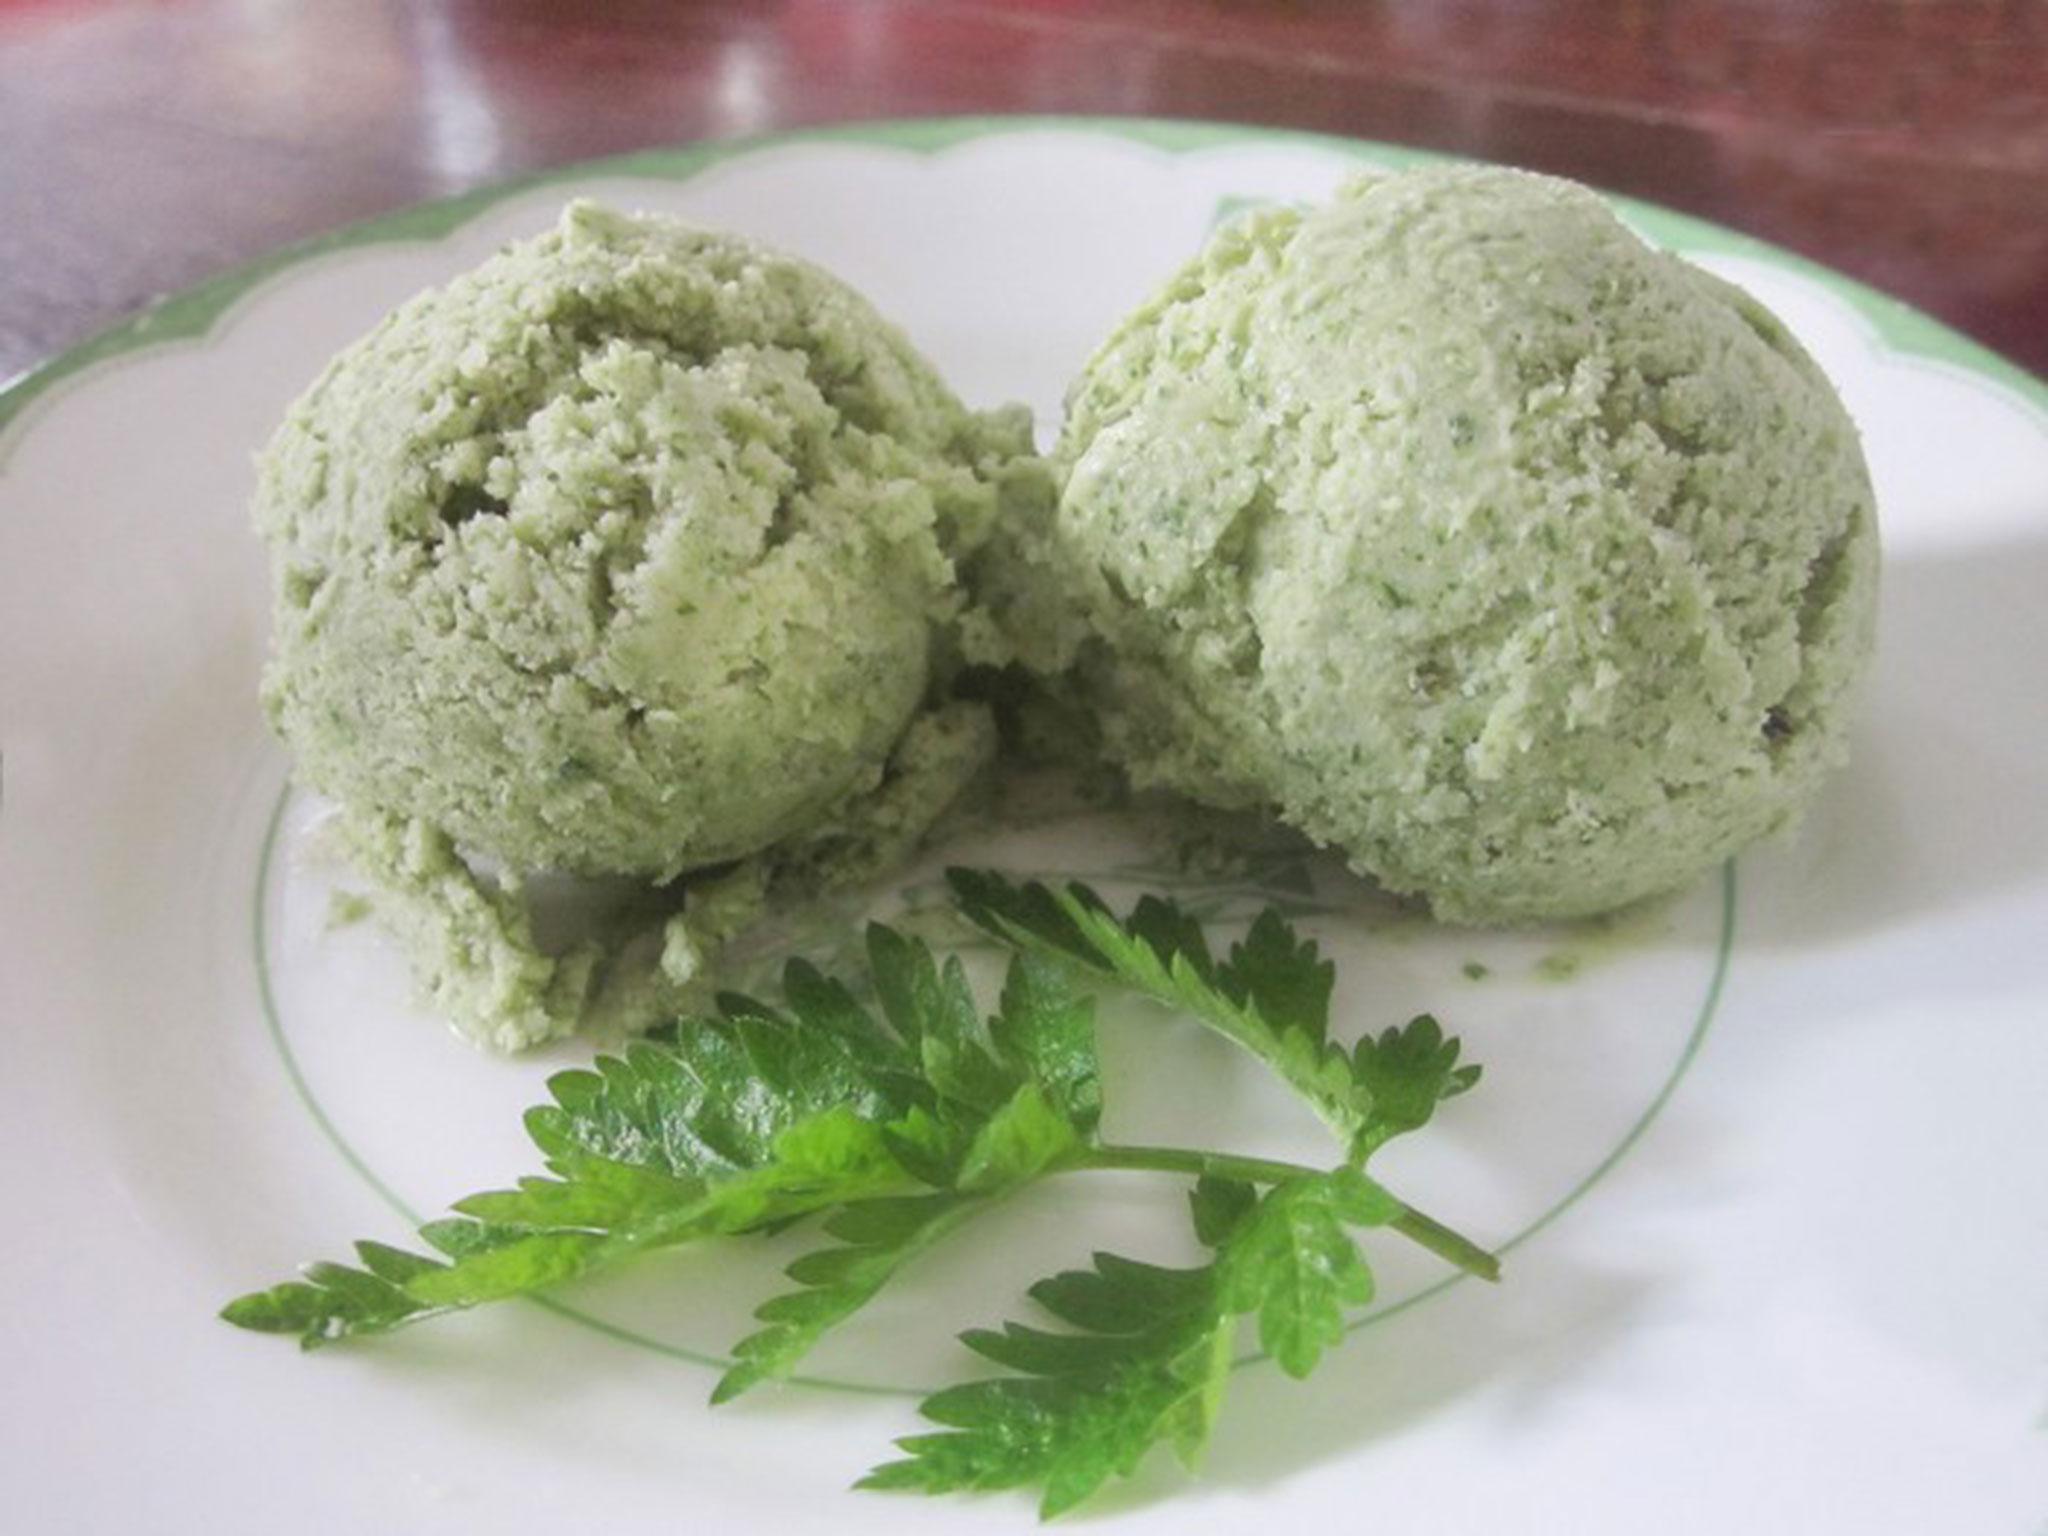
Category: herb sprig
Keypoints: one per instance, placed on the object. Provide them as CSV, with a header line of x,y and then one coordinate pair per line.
x,y
898,1129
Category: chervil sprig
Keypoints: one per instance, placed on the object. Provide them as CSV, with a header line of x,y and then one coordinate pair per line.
x,y
750,1119
1146,1354
1270,994
898,1124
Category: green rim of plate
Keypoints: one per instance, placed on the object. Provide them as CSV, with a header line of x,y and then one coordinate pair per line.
x,y
192,313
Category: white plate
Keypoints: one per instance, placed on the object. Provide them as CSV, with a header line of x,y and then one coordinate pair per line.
x,y
1769,1163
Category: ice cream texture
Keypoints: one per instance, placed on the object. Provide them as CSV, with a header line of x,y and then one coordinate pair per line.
x,y
632,552
1530,566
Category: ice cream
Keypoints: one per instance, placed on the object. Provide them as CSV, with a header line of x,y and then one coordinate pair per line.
x,y
632,552
1527,565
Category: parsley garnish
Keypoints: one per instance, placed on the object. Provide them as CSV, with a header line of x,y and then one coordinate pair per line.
x,y
900,1126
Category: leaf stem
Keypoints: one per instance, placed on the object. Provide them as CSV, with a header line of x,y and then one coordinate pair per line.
x,y
1452,1247
1222,1165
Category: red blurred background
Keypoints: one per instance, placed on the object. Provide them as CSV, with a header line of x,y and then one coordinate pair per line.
x,y
144,146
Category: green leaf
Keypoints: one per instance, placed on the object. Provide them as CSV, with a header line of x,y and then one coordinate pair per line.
x,y
1085,1406
596,1214
877,1238
528,1262
1146,1355
916,999
1407,1071
1271,996
597,1195
745,1121
1019,1141
933,1008
1282,975
900,1126
335,1300
821,1003
1292,1263
715,1100
1219,1206
1046,1029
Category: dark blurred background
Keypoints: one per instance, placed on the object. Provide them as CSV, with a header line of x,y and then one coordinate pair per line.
x,y
145,146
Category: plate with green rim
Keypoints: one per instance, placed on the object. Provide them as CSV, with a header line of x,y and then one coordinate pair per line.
x,y
1764,1160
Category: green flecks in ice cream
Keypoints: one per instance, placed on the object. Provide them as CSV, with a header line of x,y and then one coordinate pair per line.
x,y
1529,566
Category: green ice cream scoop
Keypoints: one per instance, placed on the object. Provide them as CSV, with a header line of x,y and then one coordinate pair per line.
x,y
1527,565
624,553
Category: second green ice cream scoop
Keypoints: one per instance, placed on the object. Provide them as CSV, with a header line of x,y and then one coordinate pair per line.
x,y
1529,566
